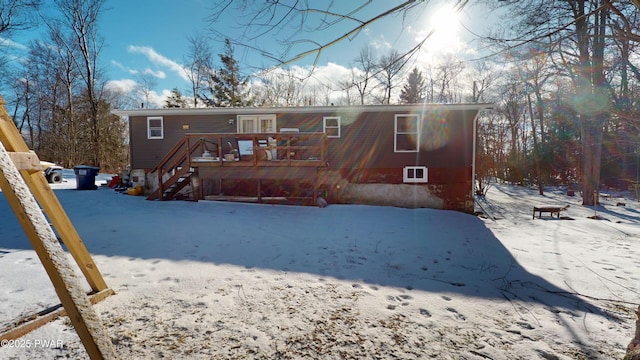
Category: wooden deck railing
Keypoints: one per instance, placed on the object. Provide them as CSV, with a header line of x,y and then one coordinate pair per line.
x,y
262,149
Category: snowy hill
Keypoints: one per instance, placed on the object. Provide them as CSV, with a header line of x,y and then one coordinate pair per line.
x,y
228,280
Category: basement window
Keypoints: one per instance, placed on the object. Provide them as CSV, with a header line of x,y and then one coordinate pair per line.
x,y
155,129
414,174
331,126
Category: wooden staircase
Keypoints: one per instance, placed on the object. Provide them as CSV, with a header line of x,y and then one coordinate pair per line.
x,y
174,171
174,184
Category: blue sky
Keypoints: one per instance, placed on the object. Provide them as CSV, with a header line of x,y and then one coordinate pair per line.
x,y
146,36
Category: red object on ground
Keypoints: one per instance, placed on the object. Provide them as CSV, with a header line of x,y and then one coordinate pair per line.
x,y
114,181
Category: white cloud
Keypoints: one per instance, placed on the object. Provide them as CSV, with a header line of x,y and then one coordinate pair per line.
x,y
122,86
160,60
381,43
331,73
12,44
124,68
157,100
159,74
131,88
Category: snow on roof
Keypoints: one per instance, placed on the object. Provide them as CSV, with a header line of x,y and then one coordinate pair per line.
x,y
300,109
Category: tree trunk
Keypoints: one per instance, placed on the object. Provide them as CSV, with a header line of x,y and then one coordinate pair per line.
x,y
536,159
592,87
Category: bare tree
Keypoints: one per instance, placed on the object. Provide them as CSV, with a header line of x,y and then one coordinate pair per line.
x,y
446,80
363,72
346,86
280,87
17,15
429,82
298,25
79,35
198,63
482,78
145,83
389,66
579,31
320,94
533,71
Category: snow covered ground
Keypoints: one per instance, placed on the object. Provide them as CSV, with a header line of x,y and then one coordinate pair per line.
x,y
220,280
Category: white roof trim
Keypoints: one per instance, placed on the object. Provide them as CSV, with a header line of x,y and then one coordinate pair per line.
x,y
298,109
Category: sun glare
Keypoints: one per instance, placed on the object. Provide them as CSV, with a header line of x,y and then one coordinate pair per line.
x,y
444,24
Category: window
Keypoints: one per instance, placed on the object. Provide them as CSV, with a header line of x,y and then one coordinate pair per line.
x,y
248,124
155,130
331,126
267,124
414,174
406,133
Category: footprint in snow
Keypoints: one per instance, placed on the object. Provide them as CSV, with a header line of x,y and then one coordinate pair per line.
x,y
425,312
525,325
25,260
457,314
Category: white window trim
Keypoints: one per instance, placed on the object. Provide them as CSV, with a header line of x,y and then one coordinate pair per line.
x,y
149,136
258,123
325,127
396,133
407,179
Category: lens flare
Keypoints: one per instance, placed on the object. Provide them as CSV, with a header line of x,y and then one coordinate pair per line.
x,y
435,130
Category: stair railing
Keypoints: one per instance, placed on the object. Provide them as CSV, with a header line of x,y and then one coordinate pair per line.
x,y
176,157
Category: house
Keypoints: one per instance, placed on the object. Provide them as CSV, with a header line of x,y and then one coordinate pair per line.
x,y
418,155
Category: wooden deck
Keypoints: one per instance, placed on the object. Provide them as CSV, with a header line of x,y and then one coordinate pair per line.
x,y
268,156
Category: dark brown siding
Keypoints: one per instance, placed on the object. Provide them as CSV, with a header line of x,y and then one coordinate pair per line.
x,y
311,122
366,142
146,153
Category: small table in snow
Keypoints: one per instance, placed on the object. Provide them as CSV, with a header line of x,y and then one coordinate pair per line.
x,y
548,209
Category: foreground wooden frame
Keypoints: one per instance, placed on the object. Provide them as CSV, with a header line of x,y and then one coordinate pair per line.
x,y
30,196
31,322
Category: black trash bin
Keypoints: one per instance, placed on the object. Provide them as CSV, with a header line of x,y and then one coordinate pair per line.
x,y
86,177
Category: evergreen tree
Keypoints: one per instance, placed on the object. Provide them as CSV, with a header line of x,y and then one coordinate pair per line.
x,y
228,82
413,90
175,100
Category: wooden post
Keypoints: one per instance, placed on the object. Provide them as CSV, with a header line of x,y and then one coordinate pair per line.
x,y
160,188
196,186
259,190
